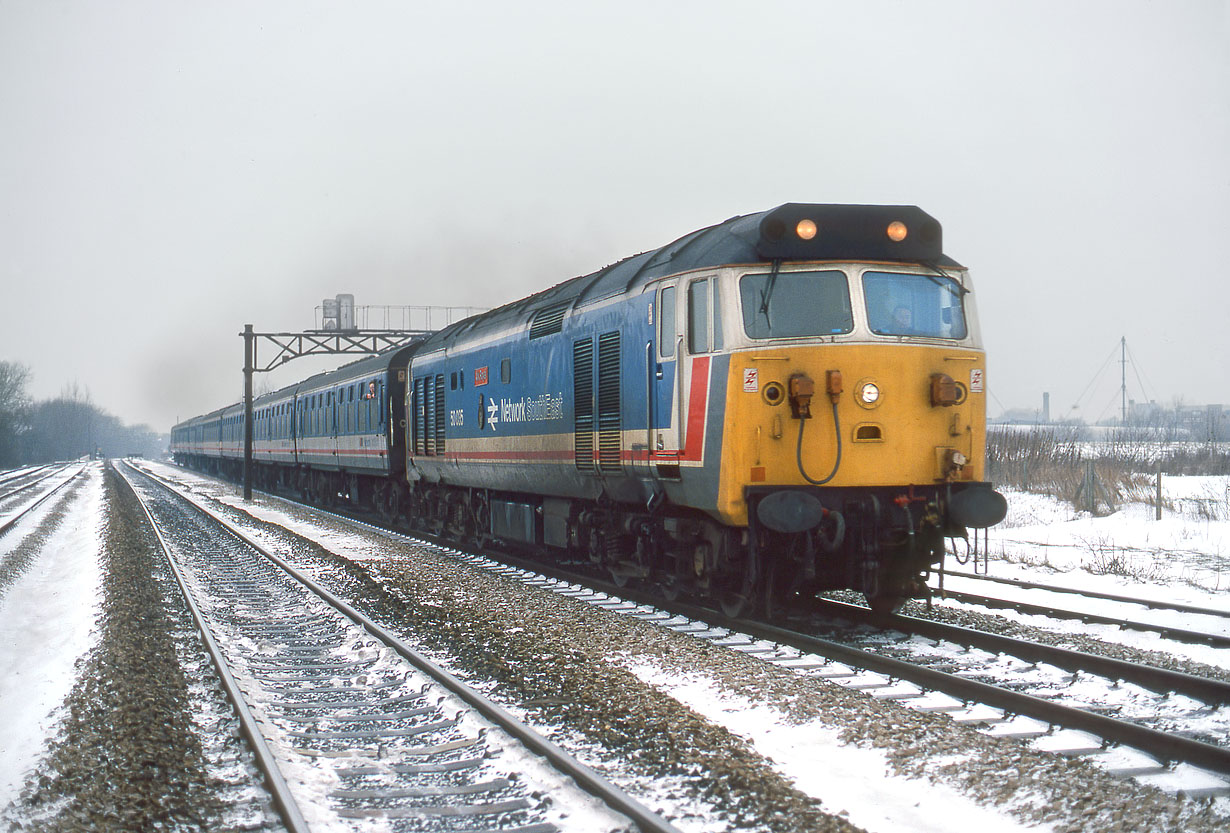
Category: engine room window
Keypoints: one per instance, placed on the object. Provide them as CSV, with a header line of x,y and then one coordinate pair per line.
x,y
506,370
795,304
928,306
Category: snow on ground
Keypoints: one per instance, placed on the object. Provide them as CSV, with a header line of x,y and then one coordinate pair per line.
x,y
46,621
849,781
1183,558
1186,553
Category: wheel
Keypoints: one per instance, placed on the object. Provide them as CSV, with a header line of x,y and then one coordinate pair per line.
x,y
743,601
734,605
779,583
670,589
885,603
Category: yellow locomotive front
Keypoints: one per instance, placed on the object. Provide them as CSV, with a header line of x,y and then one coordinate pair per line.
x,y
855,419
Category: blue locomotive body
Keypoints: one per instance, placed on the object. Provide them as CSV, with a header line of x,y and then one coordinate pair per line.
x,y
650,416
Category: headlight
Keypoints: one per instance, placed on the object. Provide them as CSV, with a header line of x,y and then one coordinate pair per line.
x,y
868,393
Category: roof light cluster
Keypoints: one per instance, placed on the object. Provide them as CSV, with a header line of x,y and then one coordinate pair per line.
x,y
811,231
807,230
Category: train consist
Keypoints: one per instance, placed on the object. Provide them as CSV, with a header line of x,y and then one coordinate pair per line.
x,y
780,404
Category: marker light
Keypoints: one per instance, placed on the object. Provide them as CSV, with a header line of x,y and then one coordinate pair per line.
x,y
897,231
869,393
806,229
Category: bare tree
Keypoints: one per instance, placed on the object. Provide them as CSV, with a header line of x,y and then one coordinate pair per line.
x,y
14,411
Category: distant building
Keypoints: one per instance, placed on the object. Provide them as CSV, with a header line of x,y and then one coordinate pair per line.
x,y
1199,423
1190,422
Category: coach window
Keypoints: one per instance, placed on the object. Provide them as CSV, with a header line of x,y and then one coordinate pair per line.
x,y
667,332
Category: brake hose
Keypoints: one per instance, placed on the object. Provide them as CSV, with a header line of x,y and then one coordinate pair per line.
x,y
799,451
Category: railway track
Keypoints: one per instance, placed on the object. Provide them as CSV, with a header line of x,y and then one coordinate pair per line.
x,y
1211,692
1171,759
1005,711
15,475
1216,618
1151,604
7,523
347,721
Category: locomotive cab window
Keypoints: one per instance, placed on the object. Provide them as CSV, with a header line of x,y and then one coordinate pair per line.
x,y
927,306
795,304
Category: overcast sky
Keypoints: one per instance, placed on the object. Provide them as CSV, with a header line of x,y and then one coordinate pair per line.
x,y
170,171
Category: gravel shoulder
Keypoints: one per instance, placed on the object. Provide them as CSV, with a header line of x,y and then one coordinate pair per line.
x,y
143,744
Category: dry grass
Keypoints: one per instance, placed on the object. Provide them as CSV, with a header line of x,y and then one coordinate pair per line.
x,y
1055,461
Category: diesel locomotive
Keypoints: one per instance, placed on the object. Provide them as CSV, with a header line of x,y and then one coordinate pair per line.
x,y
780,404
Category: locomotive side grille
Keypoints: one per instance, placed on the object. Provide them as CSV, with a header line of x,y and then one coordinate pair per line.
x,y
583,397
548,321
420,416
440,417
610,438
428,411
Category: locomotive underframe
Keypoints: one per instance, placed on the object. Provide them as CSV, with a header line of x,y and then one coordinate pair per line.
x,y
883,541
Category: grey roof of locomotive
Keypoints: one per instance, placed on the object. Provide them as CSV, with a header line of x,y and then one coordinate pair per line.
x,y
747,239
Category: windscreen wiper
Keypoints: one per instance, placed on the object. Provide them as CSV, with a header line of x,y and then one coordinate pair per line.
x,y
961,291
767,292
